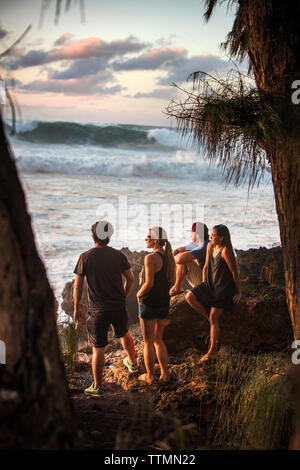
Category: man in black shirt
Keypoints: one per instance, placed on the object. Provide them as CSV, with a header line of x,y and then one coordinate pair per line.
x,y
103,267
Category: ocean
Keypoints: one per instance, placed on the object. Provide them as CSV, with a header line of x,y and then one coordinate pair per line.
x,y
135,176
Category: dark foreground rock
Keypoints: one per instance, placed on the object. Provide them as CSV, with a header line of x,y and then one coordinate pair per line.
x,y
185,412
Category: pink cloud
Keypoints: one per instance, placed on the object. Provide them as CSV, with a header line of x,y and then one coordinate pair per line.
x,y
85,48
165,52
88,47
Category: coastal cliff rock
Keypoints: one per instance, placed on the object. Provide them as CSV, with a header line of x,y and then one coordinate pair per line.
x,y
262,263
260,322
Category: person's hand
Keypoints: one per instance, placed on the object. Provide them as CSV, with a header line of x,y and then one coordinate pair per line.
x,y
141,274
77,315
175,252
237,298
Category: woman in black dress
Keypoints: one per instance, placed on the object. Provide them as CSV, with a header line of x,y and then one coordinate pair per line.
x,y
221,286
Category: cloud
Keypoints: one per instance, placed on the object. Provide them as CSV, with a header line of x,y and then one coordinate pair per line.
x,y
81,68
34,43
153,59
161,93
31,59
91,85
17,51
89,66
63,39
163,42
180,69
84,49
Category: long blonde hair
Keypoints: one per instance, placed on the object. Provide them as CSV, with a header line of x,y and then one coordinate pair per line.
x,y
159,234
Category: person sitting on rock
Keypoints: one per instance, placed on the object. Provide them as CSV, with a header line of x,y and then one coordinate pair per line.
x,y
154,301
221,286
190,259
103,267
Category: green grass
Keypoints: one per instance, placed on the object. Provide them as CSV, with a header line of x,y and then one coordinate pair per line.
x,y
69,336
253,402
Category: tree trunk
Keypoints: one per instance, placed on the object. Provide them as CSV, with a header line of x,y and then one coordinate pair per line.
x,y
273,51
286,181
35,409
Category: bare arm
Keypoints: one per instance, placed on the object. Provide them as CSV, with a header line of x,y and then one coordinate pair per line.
x,y
229,257
149,276
77,293
185,257
129,280
209,247
181,249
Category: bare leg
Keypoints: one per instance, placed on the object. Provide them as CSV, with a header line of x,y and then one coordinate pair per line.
x,y
149,349
195,304
215,314
128,345
181,270
161,349
98,361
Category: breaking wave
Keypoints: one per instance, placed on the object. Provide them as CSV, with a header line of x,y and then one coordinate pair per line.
x,y
106,135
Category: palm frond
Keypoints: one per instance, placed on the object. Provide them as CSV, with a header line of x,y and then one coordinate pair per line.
x,y
210,6
230,121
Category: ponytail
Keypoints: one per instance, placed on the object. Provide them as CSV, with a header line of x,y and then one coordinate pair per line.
x,y
170,261
159,234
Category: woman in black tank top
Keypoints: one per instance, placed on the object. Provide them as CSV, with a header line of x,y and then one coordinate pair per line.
x,y
221,286
157,277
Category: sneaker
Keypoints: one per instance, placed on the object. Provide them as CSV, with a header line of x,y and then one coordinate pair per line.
x,y
131,367
93,391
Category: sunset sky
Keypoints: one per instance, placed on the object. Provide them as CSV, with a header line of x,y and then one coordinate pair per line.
x,y
115,66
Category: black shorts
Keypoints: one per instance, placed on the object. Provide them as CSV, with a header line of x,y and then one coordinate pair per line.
x,y
98,324
207,299
153,313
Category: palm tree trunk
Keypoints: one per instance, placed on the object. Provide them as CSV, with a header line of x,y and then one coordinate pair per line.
x,y
286,181
35,409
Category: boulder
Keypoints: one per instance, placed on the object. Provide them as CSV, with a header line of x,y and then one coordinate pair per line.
x,y
262,263
260,322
